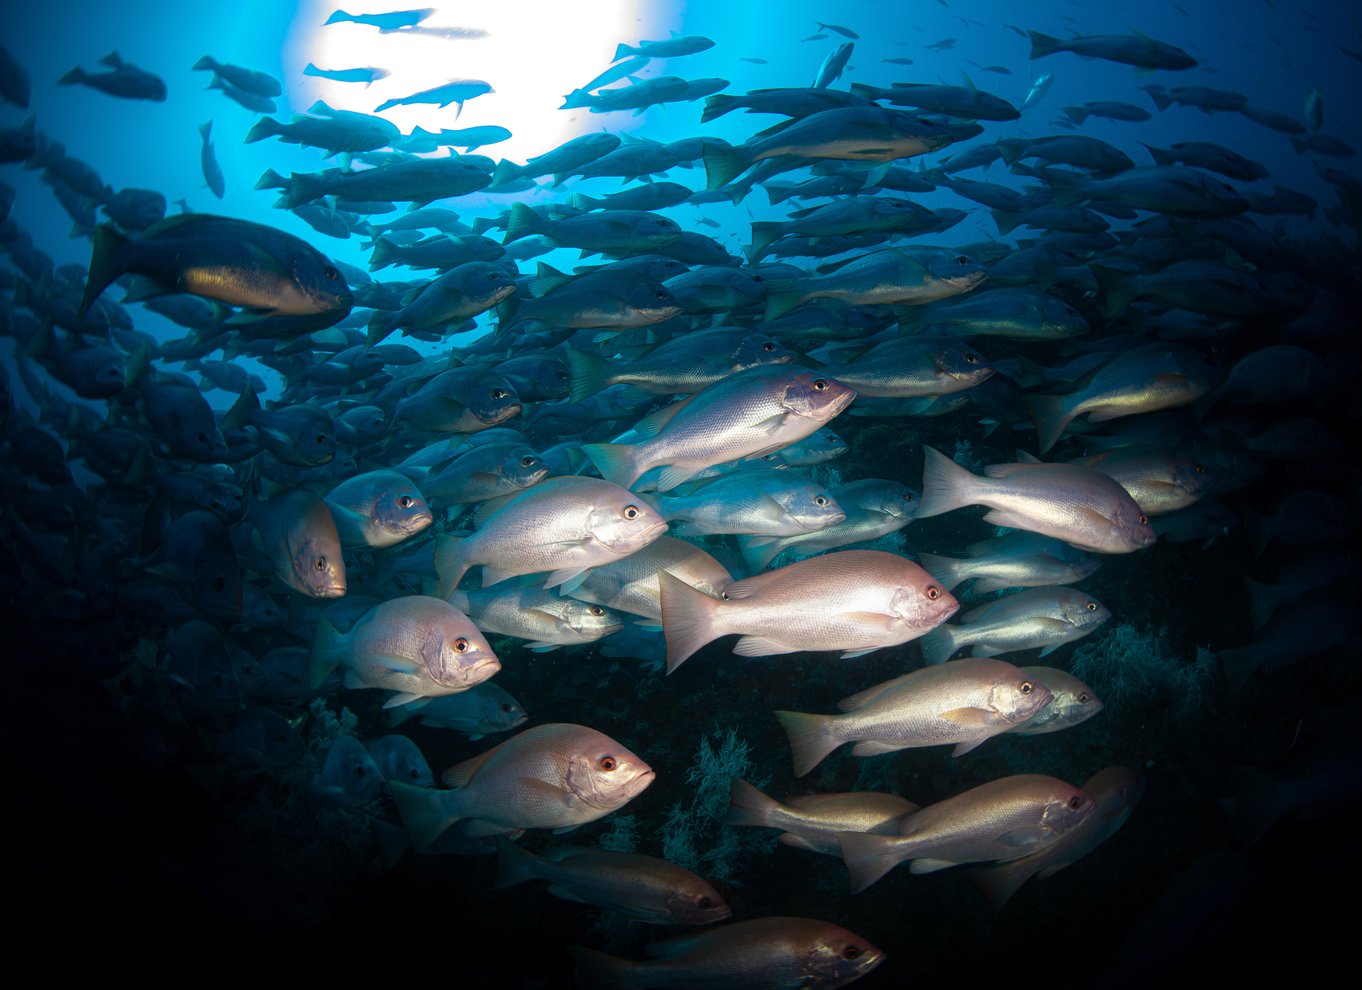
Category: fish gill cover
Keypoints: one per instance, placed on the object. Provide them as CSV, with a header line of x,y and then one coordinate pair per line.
x,y
394,398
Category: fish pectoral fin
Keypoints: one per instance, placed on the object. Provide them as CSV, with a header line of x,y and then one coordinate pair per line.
x,y
398,665
968,718
852,654
1021,838
770,424
565,828
549,792
402,698
541,647
757,646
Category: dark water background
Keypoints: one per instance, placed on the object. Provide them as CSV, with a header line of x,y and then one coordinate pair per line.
x,y
126,842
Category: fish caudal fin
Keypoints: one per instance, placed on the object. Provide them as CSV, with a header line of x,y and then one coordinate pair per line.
x,y
810,740
687,619
869,857
424,811
1051,414
723,164
938,645
945,485
106,264
747,805
1043,44
615,461
326,645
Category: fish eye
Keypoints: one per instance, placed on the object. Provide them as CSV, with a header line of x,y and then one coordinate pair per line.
x,y
1144,519
331,273
758,278
769,346
219,583
662,293
499,393
596,610
933,592
1083,698
321,438
461,645
607,763
562,375
219,680
406,501
506,707
631,512
359,771
1070,311
414,773
527,461
820,500
820,384
971,358
1075,802
962,260
1199,468
704,901
203,437
1027,687
851,952
321,563
1092,606
909,497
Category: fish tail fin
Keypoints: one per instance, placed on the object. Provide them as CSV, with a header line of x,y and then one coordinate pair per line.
x,y
723,163
999,883
945,485
506,171
583,202
623,51
1161,156
869,857
450,566
325,657
246,406
425,811
1051,414
717,106
1006,222
759,551
1011,150
1239,665
207,63
1076,114
265,127
381,324
106,264
687,619
1043,44
810,739
338,16
1118,288
599,971
76,75
523,221
782,297
270,179
1160,97
747,805
617,462
946,570
311,70
764,234
514,865
938,645
590,374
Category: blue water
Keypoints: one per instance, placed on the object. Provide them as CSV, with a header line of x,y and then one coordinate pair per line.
x,y
136,846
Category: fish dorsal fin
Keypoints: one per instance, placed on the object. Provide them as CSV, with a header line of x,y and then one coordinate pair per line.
x,y
461,773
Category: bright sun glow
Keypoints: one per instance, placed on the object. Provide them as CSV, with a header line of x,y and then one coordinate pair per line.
x,y
534,52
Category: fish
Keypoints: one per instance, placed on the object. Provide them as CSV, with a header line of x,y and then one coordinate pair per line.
x,y
766,952
377,509
1138,50
564,526
1036,617
854,601
1038,90
482,710
812,821
236,262
1160,479
964,703
1081,506
14,84
1114,792
398,758
208,162
1314,108
633,583
253,81
669,48
556,776
394,20
415,646
1071,702
367,75
749,413
545,619
630,885
296,532
1016,560
458,92
123,79
891,275
349,775
999,821
833,66
760,502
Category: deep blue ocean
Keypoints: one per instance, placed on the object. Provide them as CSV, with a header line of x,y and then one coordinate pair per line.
x,y
138,840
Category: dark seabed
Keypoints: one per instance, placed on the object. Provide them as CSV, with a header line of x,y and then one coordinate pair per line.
x,y
171,798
